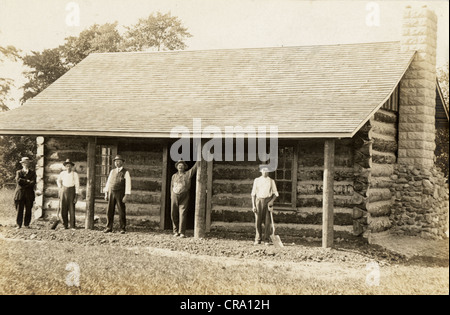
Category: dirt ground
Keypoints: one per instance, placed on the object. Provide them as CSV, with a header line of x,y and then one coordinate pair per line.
x,y
225,244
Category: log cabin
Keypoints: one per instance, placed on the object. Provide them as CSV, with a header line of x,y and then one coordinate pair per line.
x,y
355,131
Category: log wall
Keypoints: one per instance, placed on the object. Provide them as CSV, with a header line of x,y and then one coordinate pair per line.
x,y
232,185
143,160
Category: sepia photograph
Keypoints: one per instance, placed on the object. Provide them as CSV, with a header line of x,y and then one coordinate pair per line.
x,y
225,155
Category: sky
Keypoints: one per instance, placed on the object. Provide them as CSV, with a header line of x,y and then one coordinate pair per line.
x,y
34,25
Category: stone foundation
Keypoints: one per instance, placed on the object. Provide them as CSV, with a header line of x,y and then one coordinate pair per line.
x,y
421,202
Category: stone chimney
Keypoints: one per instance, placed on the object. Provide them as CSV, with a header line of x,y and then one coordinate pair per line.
x,y
416,141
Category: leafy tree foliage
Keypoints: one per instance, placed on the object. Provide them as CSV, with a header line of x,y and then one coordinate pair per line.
x,y
442,133
11,53
160,31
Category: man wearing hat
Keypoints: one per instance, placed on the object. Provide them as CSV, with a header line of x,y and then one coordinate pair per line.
x,y
180,187
117,190
263,194
69,189
24,193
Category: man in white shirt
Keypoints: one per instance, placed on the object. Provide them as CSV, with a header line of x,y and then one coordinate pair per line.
x,y
69,188
117,190
263,194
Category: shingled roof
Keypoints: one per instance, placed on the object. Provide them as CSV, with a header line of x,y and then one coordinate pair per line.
x,y
309,91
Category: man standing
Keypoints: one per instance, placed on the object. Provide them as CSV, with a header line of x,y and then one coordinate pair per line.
x,y
117,190
69,189
263,194
24,194
180,191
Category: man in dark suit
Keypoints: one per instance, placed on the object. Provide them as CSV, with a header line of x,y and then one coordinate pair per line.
x,y
24,194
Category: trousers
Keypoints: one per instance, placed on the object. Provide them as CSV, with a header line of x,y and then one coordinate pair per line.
x,y
178,211
21,205
68,206
115,198
262,216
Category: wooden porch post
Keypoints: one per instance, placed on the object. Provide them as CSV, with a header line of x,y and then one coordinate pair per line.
x,y
328,195
164,183
90,186
209,196
200,196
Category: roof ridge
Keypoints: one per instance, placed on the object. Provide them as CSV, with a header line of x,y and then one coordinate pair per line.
x,y
240,48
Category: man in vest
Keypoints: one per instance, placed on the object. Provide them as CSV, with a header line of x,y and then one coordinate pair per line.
x,y
117,190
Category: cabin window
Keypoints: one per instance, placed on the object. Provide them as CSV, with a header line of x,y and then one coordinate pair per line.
x,y
104,163
285,176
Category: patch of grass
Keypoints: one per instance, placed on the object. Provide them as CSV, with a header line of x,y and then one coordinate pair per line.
x,y
7,209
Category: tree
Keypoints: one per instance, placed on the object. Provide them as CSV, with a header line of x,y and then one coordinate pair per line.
x,y
160,31
11,53
98,38
442,133
12,148
46,67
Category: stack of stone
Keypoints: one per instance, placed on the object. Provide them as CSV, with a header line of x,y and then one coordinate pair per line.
x,y
421,202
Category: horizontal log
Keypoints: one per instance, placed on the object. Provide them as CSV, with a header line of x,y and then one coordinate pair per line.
x,y
51,179
385,116
383,157
316,201
221,187
316,187
53,192
380,182
146,145
379,224
146,184
58,167
60,155
380,194
384,145
382,170
235,173
145,197
340,174
142,158
387,129
232,200
144,171
280,217
66,143
243,164
380,208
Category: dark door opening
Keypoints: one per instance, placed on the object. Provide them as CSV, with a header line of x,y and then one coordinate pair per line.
x,y
191,208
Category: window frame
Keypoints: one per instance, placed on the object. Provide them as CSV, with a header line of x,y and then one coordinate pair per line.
x,y
102,176
294,169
